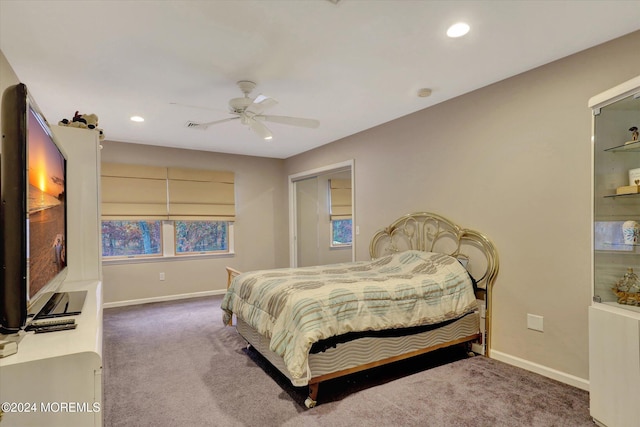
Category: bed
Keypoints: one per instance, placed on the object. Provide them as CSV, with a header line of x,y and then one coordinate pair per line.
x,y
427,286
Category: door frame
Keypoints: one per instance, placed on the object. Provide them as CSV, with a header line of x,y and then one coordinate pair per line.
x,y
293,217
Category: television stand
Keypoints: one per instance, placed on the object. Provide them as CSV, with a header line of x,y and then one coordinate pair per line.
x,y
55,370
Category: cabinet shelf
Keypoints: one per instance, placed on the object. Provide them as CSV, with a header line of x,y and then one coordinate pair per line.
x,y
616,305
614,245
633,147
622,195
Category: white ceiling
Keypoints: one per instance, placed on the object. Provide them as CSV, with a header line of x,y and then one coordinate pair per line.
x,y
351,65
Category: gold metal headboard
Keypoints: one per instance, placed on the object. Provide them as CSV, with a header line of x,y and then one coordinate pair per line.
x,y
434,233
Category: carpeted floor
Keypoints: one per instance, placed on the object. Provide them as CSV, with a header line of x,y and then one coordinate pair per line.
x,y
175,364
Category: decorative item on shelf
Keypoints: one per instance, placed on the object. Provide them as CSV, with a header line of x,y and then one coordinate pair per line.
x,y
629,189
634,135
634,183
634,176
627,289
630,232
83,121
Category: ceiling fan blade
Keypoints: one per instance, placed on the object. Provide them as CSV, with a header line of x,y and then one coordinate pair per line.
x,y
259,128
207,124
260,104
198,107
293,121
249,111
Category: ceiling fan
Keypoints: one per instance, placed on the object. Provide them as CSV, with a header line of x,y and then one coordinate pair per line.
x,y
249,112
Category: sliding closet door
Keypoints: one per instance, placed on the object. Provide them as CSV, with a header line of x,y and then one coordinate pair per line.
x,y
314,238
307,221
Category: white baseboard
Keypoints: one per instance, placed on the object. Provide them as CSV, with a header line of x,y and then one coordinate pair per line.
x,y
563,377
163,298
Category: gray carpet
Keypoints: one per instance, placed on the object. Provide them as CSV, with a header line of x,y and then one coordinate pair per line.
x,y
175,364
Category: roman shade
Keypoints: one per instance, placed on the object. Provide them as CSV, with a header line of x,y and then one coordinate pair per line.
x,y
196,194
152,192
340,193
132,192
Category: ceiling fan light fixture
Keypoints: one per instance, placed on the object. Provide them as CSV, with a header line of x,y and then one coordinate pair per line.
x,y
458,29
260,98
248,111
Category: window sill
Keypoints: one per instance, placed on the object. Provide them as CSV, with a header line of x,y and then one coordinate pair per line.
x,y
153,259
331,248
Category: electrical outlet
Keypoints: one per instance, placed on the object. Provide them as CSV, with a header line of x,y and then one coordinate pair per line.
x,y
535,322
161,276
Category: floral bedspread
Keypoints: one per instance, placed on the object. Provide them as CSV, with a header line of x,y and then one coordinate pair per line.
x,y
296,307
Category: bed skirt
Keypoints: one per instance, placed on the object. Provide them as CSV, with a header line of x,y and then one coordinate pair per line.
x,y
367,350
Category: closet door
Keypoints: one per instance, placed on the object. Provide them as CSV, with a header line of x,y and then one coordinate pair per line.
x,y
307,221
312,232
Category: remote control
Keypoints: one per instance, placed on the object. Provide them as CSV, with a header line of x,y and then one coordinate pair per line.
x,y
46,323
54,328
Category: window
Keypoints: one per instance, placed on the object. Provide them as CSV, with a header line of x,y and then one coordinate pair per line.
x,y
131,238
135,238
341,232
157,211
201,237
340,212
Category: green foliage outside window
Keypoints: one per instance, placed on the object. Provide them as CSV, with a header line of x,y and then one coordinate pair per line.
x,y
126,238
131,238
341,232
201,236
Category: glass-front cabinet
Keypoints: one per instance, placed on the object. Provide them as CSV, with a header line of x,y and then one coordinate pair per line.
x,y
614,314
617,200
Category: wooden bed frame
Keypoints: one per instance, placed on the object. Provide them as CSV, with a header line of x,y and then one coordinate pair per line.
x,y
422,231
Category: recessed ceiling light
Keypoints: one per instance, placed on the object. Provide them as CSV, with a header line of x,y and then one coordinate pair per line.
x,y
268,137
424,92
458,30
137,119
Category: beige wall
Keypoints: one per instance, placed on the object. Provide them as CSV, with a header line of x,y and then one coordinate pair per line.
x,y
512,160
261,233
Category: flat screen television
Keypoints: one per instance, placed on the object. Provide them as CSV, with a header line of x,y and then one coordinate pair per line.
x,y
33,213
